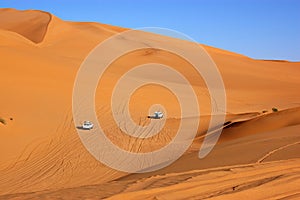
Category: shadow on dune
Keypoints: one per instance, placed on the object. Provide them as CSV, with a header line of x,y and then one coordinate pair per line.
x,y
81,128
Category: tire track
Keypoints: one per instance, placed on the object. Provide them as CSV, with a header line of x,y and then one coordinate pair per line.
x,y
276,150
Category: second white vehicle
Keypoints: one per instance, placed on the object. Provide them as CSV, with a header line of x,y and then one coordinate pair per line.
x,y
87,125
157,115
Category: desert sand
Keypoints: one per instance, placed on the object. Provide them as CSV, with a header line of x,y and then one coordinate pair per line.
x,y
42,157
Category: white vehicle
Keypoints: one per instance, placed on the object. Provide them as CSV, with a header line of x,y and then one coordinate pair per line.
x,y
87,125
157,115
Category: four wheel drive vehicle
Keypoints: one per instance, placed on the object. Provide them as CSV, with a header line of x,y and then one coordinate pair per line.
x,y
157,115
87,125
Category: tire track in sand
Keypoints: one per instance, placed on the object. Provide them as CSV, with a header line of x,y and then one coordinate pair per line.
x,y
276,150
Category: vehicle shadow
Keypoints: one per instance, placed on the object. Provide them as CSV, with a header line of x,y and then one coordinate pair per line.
x,y
81,128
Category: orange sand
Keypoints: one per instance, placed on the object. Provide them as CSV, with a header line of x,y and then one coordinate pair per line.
x,y
41,155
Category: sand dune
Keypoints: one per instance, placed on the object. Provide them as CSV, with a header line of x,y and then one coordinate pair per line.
x,y
222,183
33,27
262,181
41,155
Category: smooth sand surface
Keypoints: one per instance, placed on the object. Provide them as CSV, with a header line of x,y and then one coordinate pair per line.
x,y
41,155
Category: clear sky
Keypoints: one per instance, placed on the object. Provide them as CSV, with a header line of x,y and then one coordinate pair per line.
x,y
262,29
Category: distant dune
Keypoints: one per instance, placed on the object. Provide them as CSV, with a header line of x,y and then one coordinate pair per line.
x,y
41,155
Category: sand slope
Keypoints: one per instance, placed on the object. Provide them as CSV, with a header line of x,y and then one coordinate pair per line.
x,y
41,154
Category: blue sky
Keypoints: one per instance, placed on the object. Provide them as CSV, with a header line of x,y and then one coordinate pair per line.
x,y
261,29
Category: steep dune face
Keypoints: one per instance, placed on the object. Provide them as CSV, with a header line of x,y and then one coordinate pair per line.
x,y
30,24
264,123
40,148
